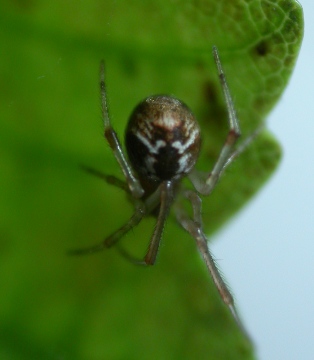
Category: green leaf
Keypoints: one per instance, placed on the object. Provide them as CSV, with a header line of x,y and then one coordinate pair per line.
x,y
102,307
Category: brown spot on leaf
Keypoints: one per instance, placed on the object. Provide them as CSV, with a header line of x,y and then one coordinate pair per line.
x,y
209,91
261,49
214,112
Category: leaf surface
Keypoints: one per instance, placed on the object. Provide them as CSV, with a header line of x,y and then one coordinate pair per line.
x,y
102,307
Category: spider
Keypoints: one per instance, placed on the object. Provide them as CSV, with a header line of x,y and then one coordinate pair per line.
x,y
163,141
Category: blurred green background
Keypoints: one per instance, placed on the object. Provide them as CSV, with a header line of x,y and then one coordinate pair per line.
x,y
102,307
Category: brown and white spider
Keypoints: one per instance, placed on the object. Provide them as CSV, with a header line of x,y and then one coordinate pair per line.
x,y
163,142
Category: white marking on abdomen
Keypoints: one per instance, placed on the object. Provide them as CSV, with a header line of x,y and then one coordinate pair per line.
x,y
153,149
181,147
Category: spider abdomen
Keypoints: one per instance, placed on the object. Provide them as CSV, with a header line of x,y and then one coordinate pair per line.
x,y
162,138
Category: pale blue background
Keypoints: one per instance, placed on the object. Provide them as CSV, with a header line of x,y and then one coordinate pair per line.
x,y
267,251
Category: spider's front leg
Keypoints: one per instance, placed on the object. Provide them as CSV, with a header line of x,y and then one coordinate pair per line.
x,y
225,156
134,185
195,228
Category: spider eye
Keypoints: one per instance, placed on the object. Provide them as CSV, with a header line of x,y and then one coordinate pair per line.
x,y
162,138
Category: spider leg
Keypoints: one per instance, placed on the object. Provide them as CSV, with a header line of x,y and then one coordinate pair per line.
x,y
206,187
113,141
239,150
110,179
141,209
117,235
195,228
129,257
166,198
164,195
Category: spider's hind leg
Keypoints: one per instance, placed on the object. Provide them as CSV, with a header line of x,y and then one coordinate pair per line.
x,y
117,235
110,179
142,208
195,228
